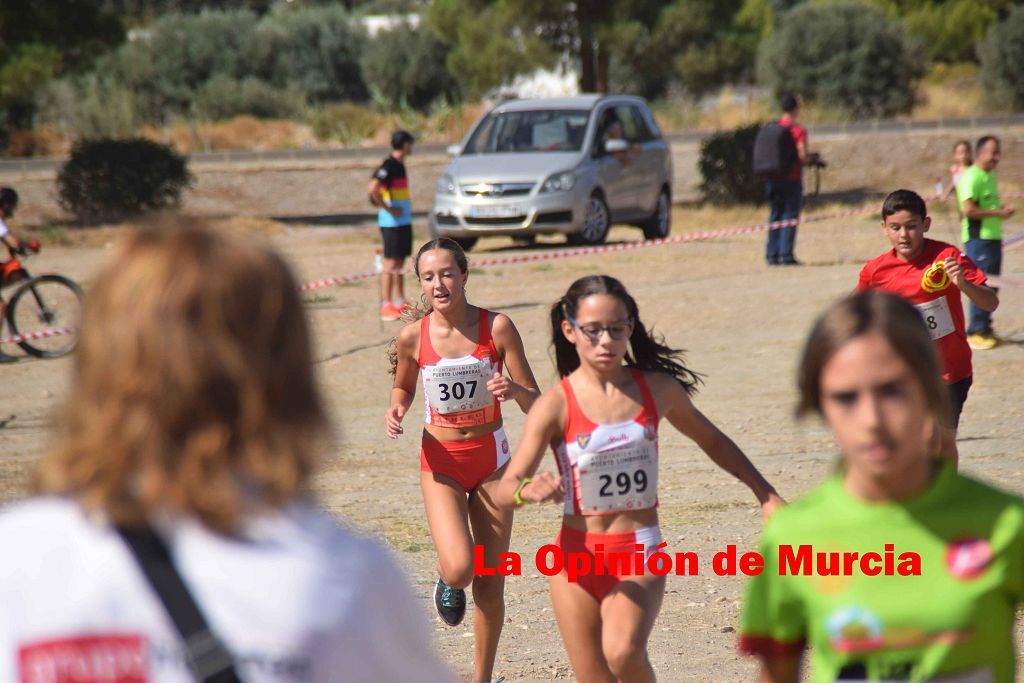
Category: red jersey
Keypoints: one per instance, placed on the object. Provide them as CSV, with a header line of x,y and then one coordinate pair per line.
x,y
455,389
799,134
609,468
924,283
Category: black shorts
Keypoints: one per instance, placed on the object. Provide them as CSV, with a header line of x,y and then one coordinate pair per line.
x,y
958,397
397,241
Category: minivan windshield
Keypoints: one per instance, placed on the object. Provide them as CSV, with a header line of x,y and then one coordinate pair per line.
x,y
548,130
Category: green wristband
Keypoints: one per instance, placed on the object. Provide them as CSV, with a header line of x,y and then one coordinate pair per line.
x,y
519,489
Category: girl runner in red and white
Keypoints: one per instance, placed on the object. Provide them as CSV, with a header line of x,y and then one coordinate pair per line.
x,y
461,350
602,422
962,160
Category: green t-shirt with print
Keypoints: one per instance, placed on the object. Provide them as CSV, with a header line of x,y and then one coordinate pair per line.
x,y
980,187
952,622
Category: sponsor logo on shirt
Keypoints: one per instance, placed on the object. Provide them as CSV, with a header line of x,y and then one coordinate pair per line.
x,y
854,629
504,446
100,658
583,440
969,558
935,278
618,438
650,432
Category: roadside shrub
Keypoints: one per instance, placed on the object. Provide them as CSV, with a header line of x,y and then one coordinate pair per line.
x,y
1002,61
223,97
408,64
109,180
845,54
726,168
312,49
347,123
178,55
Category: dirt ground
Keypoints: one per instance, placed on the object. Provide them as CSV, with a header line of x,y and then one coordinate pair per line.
x,y
742,325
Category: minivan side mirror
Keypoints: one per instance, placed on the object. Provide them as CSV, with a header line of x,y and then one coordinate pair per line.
x,y
454,150
616,146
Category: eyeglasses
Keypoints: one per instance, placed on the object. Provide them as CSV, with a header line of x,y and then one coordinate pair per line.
x,y
592,331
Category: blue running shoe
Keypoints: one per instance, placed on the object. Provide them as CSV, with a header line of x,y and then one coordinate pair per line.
x,y
450,603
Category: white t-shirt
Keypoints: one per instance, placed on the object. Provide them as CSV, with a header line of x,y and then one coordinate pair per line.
x,y
296,598
4,230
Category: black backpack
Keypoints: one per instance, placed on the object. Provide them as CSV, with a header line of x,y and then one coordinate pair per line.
x,y
774,151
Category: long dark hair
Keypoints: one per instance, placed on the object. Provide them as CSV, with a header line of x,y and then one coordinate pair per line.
x,y
647,351
413,313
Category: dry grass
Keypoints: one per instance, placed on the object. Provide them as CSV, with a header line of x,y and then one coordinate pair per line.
x,y
239,133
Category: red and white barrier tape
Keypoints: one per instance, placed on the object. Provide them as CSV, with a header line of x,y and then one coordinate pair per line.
x,y
608,248
626,246
42,334
1013,242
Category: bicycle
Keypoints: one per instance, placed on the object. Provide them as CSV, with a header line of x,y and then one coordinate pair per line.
x,y
44,312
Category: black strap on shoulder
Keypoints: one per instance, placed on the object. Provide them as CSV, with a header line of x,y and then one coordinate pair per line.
x,y
207,658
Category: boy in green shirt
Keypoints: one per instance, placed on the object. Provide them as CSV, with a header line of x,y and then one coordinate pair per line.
x,y
982,232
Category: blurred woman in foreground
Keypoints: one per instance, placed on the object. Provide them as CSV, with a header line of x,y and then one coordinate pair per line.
x,y
189,436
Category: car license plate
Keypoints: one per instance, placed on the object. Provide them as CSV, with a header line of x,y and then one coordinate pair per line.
x,y
496,211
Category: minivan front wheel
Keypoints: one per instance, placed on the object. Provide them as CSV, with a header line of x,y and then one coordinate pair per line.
x,y
596,222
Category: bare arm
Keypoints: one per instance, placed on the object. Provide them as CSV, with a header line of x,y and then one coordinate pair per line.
x,y
522,387
377,199
12,242
975,213
983,297
543,423
801,151
780,669
404,388
684,416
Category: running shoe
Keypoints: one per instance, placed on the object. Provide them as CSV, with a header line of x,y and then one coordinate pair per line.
x,y
981,342
390,312
450,603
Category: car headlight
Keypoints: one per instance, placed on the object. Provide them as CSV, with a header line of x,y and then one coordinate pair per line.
x,y
559,182
445,185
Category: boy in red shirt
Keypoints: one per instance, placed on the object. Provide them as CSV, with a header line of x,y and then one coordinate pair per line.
x,y
931,275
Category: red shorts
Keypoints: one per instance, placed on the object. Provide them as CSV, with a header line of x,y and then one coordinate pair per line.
x,y
605,575
467,462
9,272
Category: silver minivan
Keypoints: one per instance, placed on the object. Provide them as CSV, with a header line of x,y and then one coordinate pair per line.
x,y
570,165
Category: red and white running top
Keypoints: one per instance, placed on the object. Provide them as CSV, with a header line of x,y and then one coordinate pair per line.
x,y
613,468
455,389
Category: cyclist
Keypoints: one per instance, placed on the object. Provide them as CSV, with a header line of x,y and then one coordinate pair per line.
x,y
9,268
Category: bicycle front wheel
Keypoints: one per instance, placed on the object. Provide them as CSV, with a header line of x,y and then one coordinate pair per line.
x,y
48,310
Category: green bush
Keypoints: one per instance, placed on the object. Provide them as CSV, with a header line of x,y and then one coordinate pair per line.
x,y
347,123
313,49
726,167
109,180
91,106
408,64
219,64
1002,61
846,55
223,97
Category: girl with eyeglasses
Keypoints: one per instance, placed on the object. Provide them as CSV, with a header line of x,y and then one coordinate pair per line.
x,y
602,423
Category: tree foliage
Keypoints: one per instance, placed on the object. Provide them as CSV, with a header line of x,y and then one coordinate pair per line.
x,y
1002,61
846,55
407,64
